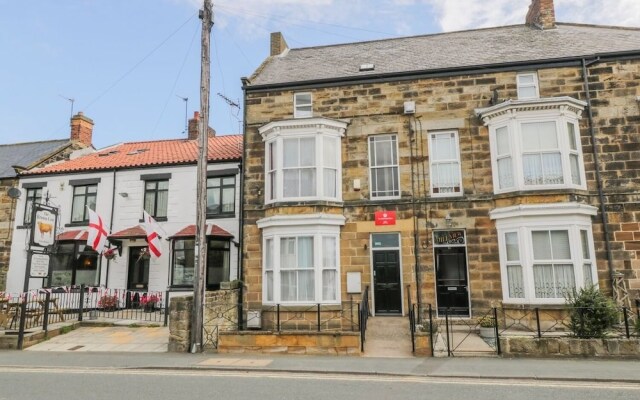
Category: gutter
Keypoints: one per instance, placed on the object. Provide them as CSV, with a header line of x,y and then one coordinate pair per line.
x,y
596,161
575,61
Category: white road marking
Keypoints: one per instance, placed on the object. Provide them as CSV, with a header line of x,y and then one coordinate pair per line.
x,y
330,376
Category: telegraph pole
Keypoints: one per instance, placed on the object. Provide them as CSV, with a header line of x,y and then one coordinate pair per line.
x,y
206,15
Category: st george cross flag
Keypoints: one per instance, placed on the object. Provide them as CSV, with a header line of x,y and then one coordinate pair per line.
x,y
153,240
97,232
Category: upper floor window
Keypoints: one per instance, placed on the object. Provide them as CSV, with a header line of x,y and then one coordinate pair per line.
x,y
302,105
156,198
221,195
383,166
444,162
546,251
303,161
34,195
527,85
535,145
84,196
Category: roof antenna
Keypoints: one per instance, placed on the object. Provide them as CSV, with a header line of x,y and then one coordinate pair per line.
x,y
71,100
186,106
233,104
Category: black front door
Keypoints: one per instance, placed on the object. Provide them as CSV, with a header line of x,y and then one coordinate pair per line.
x,y
451,281
386,282
138,270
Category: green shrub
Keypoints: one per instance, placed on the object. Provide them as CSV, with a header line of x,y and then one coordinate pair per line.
x,y
591,313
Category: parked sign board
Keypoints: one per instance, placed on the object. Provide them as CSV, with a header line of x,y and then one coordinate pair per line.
x,y
385,217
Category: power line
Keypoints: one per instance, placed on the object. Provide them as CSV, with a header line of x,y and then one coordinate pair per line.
x,y
138,63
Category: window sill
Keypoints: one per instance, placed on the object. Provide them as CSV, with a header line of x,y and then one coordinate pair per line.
x,y
545,191
82,223
313,307
327,203
158,219
553,304
221,216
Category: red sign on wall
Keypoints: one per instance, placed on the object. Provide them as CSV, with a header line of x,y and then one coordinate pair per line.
x,y
385,217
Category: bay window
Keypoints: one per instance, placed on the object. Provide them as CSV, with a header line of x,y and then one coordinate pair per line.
x,y
300,259
535,144
546,251
303,160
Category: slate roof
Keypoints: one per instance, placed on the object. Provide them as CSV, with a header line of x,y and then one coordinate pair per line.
x,y
27,154
145,154
480,47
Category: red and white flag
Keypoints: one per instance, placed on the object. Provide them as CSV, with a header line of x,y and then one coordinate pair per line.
x,y
153,239
97,232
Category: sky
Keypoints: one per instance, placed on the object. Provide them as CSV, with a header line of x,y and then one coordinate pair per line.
x,y
129,64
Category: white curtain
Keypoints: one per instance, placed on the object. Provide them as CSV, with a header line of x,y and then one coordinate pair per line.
x,y
329,273
565,279
306,283
288,286
330,184
516,283
505,173
511,242
575,169
543,281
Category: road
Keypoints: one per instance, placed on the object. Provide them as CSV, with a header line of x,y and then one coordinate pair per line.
x,y
70,383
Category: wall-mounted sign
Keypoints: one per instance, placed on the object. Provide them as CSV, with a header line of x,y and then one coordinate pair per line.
x,y
43,226
444,238
39,265
385,217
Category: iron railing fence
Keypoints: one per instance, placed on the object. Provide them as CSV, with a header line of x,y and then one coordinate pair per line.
x,y
40,308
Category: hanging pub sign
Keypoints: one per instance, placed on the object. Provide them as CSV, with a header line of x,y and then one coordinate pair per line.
x,y
43,225
448,237
39,265
385,217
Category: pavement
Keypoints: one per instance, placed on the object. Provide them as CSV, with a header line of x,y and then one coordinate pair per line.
x,y
590,370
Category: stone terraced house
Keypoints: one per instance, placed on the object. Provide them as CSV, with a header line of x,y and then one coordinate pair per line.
x,y
465,170
19,157
121,181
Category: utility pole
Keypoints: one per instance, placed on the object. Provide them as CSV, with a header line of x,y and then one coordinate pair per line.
x,y
206,15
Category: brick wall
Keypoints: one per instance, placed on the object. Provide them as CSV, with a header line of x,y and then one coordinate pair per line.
x,y
7,215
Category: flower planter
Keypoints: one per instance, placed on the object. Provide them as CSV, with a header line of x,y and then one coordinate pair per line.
x,y
488,332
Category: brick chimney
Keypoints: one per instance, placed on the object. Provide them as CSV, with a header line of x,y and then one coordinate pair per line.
x,y
81,129
278,44
192,132
541,14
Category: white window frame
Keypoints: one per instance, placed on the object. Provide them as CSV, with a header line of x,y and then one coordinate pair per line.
x,y
533,84
512,115
318,226
370,141
456,160
524,220
320,129
299,106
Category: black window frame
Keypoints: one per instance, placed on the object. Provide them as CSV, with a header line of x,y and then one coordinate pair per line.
x,y
85,196
155,192
190,247
221,187
76,261
30,200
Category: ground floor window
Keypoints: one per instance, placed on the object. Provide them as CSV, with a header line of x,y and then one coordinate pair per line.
x,y
218,263
74,263
301,263
544,257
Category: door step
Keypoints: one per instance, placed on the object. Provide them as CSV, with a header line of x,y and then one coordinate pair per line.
x,y
388,337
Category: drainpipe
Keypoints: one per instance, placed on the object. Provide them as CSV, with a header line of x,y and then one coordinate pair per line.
x,y
416,227
245,82
113,203
596,161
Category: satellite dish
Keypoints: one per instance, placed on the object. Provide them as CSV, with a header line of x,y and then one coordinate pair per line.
x,y
14,193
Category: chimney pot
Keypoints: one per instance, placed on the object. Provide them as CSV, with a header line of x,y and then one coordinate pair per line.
x,y
193,127
541,14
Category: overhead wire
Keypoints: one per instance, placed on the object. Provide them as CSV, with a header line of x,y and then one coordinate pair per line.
x,y
175,82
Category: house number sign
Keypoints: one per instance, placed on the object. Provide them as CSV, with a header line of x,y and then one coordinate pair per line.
x,y
448,237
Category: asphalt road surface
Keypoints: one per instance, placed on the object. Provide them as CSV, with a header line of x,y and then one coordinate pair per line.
x,y
141,384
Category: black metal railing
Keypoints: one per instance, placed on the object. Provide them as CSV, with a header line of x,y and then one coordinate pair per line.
x,y
41,308
363,317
